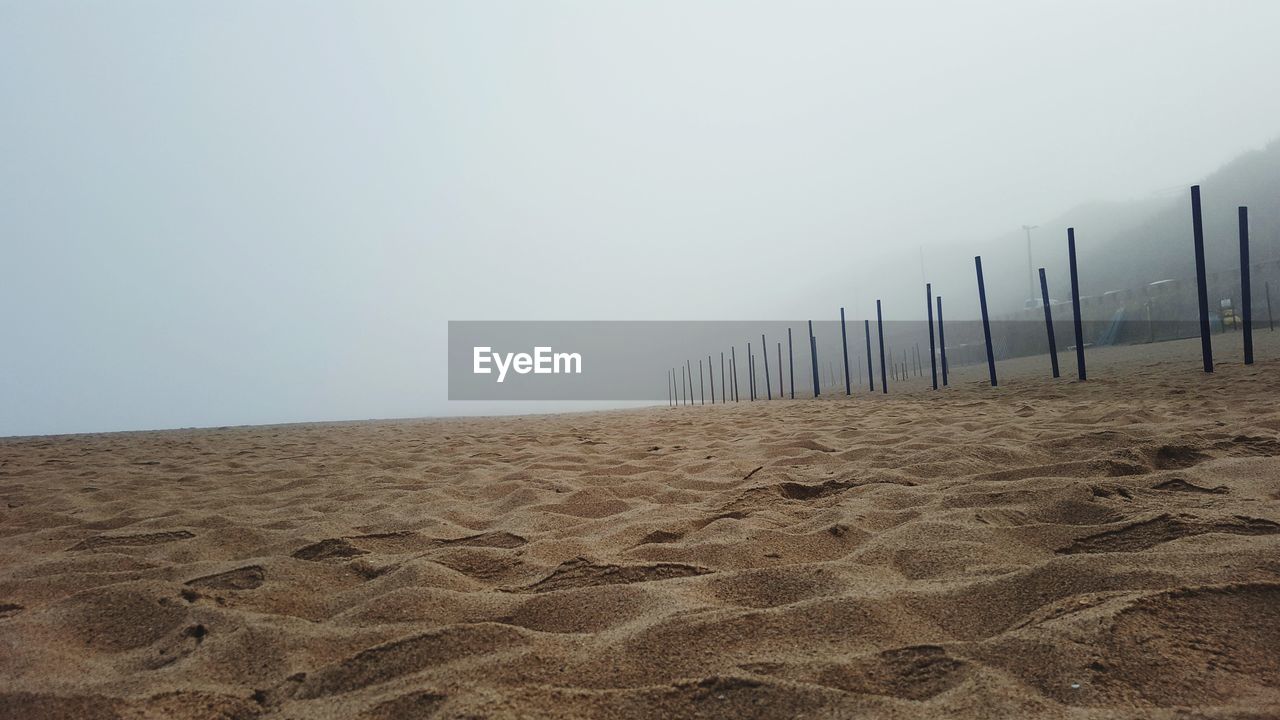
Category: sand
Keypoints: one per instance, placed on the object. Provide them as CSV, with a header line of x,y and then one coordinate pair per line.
x,y
1047,548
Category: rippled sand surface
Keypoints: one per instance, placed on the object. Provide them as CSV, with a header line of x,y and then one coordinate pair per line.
x,y
1048,548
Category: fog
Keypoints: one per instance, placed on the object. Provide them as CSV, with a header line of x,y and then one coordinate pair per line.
x,y
244,212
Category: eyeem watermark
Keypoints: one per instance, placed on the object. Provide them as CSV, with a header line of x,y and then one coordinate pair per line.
x,y
542,362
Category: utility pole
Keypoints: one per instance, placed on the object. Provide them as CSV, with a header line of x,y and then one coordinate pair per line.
x,y
1031,274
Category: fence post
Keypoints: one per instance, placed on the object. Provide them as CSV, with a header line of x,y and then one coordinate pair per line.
x,y
884,372
702,386
871,368
986,322
791,363
813,354
1075,302
933,360
1202,288
733,366
844,344
724,382
780,393
764,352
1246,300
1048,321
711,375
942,344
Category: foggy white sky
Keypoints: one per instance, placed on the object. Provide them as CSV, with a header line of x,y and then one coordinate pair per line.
x,y
248,212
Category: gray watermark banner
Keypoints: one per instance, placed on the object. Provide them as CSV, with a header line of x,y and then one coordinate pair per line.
x,y
654,360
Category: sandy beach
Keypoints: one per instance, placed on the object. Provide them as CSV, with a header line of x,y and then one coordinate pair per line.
x,y
1045,548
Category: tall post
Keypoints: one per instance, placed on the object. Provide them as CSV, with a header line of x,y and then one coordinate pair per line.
x,y
813,354
1271,321
724,382
683,390
689,366
871,374
933,360
844,344
733,366
1048,321
751,372
1075,302
986,321
702,386
669,386
791,363
780,393
884,372
711,375
764,352
942,344
1202,287
1246,299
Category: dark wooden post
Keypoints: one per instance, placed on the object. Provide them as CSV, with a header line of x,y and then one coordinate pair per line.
x,y
780,393
986,321
702,386
751,372
813,354
884,372
711,375
1246,299
1202,287
733,367
791,363
1048,321
942,344
764,352
724,382
844,344
1075,302
933,360
871,375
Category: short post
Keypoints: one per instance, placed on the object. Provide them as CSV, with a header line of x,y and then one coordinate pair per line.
x,y
791,363
942,344
844,344
1048,321
1246,304
1075,302
1202,287
986,321
764,352
813,354
884,372
871,375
